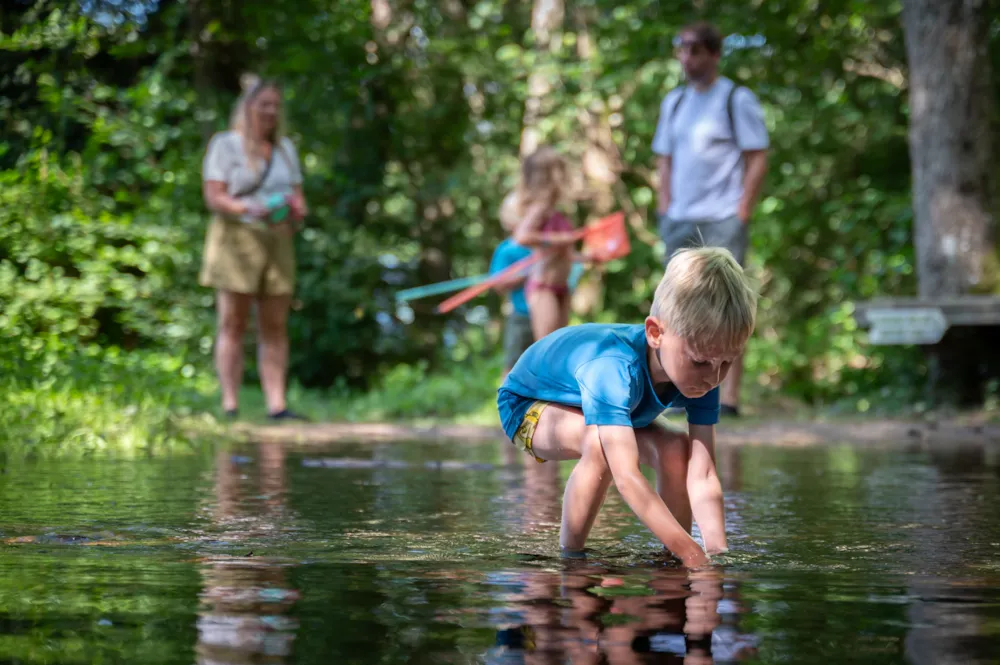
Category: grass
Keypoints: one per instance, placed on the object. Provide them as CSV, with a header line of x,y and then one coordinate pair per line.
x,y
462,393
141,403
92,401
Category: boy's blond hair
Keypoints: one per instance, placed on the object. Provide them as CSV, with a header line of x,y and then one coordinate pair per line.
x,y
706,299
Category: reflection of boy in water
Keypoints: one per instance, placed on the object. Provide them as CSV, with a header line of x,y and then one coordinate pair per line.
x,y
575,617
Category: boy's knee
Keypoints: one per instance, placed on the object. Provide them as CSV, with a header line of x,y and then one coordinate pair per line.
x,y
678,443
669,443
591,450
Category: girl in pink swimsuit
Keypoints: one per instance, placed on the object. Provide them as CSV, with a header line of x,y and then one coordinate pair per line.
x,y
544,229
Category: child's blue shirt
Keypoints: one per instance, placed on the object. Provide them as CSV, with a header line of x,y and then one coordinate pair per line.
x,y
601,369
506,254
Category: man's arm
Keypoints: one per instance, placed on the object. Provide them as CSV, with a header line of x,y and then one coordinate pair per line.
x,y
663,164
622,453
753,178
705,490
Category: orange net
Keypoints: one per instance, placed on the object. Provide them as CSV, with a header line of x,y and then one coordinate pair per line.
x,y
607,238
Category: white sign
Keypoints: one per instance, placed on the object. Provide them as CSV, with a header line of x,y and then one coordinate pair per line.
x,y
906,325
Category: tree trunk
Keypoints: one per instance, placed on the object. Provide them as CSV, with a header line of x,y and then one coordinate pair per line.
x,y
202,83
546,23
951,145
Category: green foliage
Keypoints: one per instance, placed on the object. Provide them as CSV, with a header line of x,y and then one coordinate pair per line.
x,y
97,399
409,136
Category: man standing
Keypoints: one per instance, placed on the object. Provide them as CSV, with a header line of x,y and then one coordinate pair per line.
x,y
711,143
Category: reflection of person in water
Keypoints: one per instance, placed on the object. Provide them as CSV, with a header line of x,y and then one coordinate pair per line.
x,y
246,599
576,616
530,498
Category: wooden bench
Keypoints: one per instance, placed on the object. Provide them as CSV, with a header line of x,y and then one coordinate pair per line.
x,y
969,357
931,317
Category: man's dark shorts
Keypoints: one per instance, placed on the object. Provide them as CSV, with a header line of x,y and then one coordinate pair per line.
x,y
730,233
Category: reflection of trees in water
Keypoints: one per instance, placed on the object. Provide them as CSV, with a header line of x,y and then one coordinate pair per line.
x,y
245,600
948,617
888,548
585,615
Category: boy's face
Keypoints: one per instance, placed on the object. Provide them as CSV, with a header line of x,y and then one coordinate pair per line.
x,y
694,370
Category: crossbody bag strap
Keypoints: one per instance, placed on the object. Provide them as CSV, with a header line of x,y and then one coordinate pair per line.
x,y
260,181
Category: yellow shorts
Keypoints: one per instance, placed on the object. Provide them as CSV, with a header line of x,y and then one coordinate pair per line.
x,y
247,259
526,431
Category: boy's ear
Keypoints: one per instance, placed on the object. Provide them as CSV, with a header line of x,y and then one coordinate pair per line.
x,y
654,332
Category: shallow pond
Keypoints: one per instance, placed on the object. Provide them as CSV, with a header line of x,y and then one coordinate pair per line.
x,y
448,553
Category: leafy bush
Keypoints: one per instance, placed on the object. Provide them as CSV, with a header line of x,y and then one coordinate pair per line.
x,y
97,399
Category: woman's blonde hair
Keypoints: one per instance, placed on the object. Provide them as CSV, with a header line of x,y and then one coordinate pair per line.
x,y
706,299
239,121
543,179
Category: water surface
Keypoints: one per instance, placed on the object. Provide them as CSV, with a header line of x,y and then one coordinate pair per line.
x,y
448,553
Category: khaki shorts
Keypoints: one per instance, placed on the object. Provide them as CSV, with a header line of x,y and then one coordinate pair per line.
x,y
247,259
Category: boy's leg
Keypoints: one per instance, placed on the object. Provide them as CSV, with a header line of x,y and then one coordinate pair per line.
x,y
585,491
561,434
667,451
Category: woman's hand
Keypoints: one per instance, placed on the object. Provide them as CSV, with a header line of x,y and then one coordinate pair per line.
x,y
254,210
297,203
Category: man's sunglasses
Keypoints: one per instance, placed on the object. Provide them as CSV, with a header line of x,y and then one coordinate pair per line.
x,y
690,45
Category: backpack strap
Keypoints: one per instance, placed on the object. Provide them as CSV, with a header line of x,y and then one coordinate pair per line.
x,y
729,109
729,112
676,105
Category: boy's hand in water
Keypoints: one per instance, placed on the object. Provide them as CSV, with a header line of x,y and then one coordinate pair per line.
x,y
696,558
622,453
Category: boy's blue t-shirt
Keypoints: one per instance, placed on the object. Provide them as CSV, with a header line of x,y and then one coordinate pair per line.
x,y
601,369
506,254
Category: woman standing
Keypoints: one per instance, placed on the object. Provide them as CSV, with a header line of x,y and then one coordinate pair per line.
x,y
249,255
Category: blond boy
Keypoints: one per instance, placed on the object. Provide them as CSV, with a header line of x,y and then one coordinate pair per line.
x,y
593,392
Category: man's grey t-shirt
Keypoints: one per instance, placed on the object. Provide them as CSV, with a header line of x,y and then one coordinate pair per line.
x,y
706,174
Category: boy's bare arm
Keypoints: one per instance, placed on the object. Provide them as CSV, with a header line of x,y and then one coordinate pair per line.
x,y
622,453
705,490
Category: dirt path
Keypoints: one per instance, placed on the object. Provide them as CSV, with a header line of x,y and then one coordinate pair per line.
x,y
875,432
